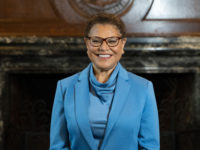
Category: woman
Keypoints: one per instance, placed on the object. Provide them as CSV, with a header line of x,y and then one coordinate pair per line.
x,y
104,106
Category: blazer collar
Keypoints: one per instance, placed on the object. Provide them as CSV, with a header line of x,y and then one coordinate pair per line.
x,y
85,73
123,73
82,104
81,107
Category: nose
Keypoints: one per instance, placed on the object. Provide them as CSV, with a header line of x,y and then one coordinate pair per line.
x,y
104,46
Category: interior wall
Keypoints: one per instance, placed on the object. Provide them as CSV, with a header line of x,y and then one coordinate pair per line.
x,y
68,17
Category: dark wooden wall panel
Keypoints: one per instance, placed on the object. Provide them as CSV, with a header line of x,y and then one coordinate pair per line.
x,y
25,10
68,17
175,9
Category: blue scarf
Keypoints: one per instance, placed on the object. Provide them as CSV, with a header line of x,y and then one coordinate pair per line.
x,y
104,91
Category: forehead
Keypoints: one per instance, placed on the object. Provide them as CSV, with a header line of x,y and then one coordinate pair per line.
x,y
104,30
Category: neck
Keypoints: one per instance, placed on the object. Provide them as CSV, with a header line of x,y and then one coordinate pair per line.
x,y
102,75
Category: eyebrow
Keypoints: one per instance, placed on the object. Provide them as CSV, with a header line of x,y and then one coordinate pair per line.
x,y
106,37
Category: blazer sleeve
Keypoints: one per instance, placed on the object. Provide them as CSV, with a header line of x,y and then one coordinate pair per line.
x,y
149,138
58,130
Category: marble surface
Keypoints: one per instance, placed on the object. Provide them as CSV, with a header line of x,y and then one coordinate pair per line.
x,y
147,54
139,45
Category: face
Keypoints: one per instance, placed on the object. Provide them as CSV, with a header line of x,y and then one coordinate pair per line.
x,y
104,57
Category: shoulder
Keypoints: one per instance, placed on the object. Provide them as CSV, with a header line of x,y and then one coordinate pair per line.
x,y
143,88
69,81
138,81
73,79
133,79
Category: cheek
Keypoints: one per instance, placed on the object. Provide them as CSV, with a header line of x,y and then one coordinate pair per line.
x,y
90,51
89,48
119,51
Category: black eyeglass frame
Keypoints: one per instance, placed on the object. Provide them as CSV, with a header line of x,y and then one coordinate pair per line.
x,y
105,39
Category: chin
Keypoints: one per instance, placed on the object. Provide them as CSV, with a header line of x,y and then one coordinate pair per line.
x,y
105,67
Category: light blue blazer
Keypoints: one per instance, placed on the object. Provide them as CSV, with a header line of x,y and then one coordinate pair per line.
x,y
133,120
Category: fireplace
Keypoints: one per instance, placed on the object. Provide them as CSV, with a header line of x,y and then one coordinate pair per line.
x,y
31,66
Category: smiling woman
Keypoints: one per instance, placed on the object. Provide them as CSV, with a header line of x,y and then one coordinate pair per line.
x,y
106,53
104,106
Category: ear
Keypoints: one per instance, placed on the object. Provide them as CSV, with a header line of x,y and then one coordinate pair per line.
x,y
85,39
123,52
124,41
86,42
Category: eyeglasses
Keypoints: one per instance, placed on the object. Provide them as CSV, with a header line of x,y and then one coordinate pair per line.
x,y
110,41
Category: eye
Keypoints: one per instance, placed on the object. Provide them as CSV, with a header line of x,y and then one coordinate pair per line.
x,y
96,40
112,40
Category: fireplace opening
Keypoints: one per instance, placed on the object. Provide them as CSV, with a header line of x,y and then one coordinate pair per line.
x,y
27,111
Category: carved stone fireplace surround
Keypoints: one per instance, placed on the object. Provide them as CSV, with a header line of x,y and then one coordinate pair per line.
x,y
29,63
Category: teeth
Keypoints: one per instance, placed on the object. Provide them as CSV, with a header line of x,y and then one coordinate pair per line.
x,y
104,56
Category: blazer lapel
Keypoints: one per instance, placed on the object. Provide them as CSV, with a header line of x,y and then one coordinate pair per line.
x,y
81,108
121,93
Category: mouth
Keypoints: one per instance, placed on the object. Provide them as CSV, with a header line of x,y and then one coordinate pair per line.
x,y
104,55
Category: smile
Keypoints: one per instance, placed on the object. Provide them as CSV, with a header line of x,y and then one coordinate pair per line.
x,y
105,56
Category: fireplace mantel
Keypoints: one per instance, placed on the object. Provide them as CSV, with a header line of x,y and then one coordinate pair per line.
x,y
67,55
142,54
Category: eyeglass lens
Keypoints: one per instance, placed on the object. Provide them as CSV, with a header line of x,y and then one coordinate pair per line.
x,y
111,41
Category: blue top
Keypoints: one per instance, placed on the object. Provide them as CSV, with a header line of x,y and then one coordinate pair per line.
x,y
101,96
